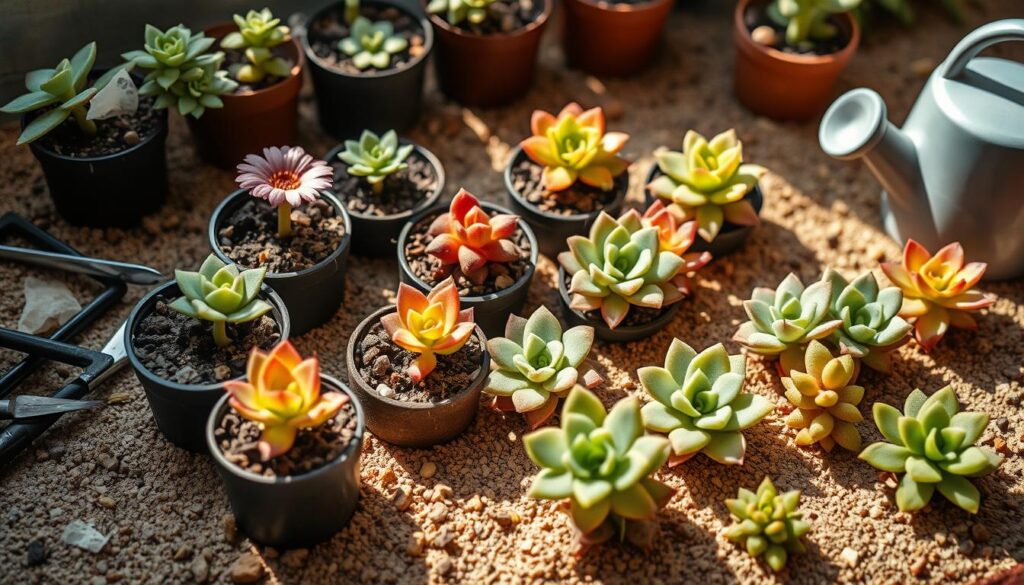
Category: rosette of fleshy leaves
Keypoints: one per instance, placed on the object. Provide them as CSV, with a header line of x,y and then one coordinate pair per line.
x,y
282,393
372,44
470,238
673,237
937,290
222,294
768,523
535,364
871,328
808,19
932,444
376,157
708,182
258,32
600,465
429,325
457,11
615,268
783,321
700,404
825,399
574,146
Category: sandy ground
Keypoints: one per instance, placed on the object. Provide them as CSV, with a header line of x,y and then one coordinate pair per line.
x,y
168,518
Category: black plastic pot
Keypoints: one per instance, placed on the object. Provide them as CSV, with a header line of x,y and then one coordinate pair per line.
x,y
414,424
490,311
373,100
552,229
312,295
181,410
296,510
378,234
730,238
619,334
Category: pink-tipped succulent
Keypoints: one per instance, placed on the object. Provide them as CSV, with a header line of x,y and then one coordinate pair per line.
x,y
574,146
286,177
282,392
937,290
674,237
471,238
429,325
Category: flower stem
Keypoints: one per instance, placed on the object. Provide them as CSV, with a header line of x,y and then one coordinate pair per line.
x,y
378,187
284,220
220,333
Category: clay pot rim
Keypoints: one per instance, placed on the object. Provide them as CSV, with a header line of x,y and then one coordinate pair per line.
x,y
353,448
748,45
296,70
617,7
541,20
428,44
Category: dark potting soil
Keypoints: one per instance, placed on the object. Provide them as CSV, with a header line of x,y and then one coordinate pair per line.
x,y
238,439
635,317
249,236
579,198
237,57
430,270
327,31
181,349
757,15
404,190
382,362
504,16
112,136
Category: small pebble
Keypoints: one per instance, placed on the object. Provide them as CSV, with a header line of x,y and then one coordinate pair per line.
x,y
850,556
247,569
428,470
36,553
764,35
107,502
385,390
131,138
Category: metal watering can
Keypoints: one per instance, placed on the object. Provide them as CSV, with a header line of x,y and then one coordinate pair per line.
x,y
955,171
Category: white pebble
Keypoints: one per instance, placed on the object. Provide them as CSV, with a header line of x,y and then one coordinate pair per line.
x,y
385,391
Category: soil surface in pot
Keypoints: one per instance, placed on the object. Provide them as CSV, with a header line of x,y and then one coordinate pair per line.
x,y
505,16
579,198
382,362
635,317
249,236
430,270
757,16
112,135
238,439
181,349
404,190
236,57
330,28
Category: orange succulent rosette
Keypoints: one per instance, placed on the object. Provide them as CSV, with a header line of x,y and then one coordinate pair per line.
x,y
471,238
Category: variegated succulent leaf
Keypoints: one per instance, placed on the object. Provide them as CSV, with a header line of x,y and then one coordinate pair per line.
x,y
768,523
825,400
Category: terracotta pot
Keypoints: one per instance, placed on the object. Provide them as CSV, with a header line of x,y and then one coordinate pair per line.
x,y
785,86
251,121
612,39
487,70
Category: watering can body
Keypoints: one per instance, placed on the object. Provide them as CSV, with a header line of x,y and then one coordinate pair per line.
x,y
955,171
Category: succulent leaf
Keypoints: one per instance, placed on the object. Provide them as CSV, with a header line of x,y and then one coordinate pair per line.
x,y
220,293
767,523
469,238
871,325
372,44
822,396
464,12
258,32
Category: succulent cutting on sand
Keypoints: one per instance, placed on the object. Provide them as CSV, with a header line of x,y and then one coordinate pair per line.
x,y
599,464
286,177
825,400
932,444
871,328
258,32
673,237
471,238
937,290
768,523
376,157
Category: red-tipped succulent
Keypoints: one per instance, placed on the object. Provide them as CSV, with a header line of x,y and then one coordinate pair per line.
x,y
471,238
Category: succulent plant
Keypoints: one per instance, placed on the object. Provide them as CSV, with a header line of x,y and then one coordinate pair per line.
x,y
871,328
937,290
221,294
768,523
673,237
63,87
783,321
600,464
825,400
932,443
282,392
457,11
808,19
575,146
285,176
257,33
375,157
372,44
469,237
429,325
614,268
536,363
708,182
700,404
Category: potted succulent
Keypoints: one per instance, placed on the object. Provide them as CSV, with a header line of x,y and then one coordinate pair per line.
x,y
92,166
287,442
825,400
418,367
566,173
709,183
768,523
789,53
383,181
186,338
490,253
613,37
264,60
487,49
283,219
368,61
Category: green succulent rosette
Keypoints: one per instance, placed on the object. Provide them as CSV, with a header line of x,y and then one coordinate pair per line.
x,y
375,157
872,327
258,32
768,523
458,11
372,44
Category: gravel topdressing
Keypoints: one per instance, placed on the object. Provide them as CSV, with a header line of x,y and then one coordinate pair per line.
x,y
459,513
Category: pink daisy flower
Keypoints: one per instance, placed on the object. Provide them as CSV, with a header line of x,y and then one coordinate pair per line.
x,y
285,174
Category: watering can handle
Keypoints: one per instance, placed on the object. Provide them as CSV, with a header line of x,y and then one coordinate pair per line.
x,y
1011,29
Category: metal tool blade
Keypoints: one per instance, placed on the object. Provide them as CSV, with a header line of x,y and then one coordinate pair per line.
x,y
115,349
21,407
127,272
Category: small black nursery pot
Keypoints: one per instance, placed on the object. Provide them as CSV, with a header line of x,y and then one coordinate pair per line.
x,y
294,510
181,410
312,295
623,332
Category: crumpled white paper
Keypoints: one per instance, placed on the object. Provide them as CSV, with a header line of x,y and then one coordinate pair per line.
x,y
118,97
48,305
83,535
